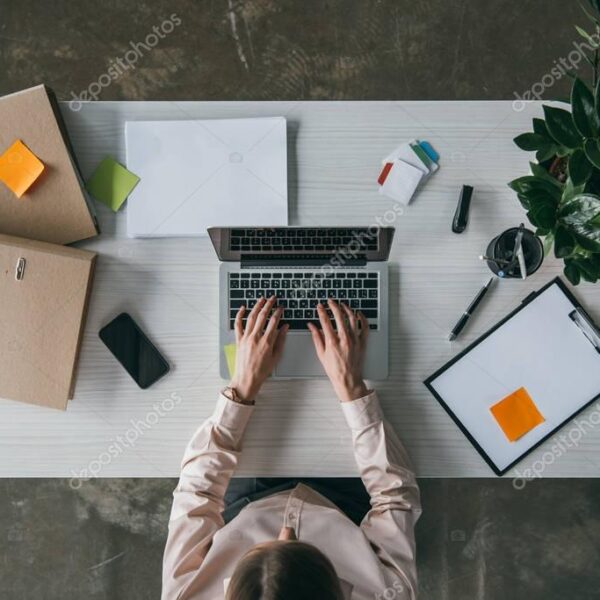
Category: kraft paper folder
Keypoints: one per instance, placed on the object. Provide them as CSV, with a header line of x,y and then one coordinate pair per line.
x,y
45,291
56,207
541,346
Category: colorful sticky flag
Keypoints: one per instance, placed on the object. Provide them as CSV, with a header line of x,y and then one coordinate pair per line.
x,y
230,353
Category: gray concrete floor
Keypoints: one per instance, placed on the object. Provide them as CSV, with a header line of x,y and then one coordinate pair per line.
x,y
478,538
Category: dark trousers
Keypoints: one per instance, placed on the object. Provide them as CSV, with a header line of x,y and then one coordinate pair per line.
x,y
347,493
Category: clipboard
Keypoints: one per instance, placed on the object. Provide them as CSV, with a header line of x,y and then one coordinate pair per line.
x,y
550,346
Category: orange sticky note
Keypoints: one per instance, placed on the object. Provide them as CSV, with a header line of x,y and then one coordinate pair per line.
x,y
516,414
19,168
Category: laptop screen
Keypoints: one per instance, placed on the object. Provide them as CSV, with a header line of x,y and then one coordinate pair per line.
x,y
256,243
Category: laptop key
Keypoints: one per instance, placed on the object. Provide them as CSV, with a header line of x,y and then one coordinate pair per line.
x,y
373,294
236,293
368,303
298,314
370,283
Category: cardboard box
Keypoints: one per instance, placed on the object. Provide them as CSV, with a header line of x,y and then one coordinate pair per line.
x,y
44,292
56,208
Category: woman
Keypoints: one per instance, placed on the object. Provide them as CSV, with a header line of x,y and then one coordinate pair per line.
x,y
293,544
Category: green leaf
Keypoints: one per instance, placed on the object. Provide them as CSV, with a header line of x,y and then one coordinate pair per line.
x,y
539,127
580,168
572,273
587,269
545,153
571,190
564,243
585,35
563,151
548,241
578,216
561,127
592,151
524,201
530,141
584,110
541,173
529,183
542,212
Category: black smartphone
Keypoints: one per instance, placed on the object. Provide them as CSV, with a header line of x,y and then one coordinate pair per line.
x,y
130,346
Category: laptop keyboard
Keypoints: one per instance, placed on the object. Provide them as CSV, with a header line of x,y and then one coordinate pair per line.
x,y
299,292
293,239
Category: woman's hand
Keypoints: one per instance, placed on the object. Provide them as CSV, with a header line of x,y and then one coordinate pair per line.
x,y
259,347
342,350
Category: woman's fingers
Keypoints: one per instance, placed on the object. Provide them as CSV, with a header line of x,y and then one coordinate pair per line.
x,y
263,315
326,326
272,324
239,327
254,314
364,329
352,321
317,338
339,319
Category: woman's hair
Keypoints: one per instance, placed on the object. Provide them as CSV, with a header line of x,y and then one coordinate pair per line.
x,y
284,570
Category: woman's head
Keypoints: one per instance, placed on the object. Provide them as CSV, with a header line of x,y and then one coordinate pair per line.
x,y
287,570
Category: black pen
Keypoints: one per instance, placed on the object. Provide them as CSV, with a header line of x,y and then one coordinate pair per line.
x,y
470,310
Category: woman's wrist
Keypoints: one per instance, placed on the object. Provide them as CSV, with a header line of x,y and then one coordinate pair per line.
x,y
246,389
350,389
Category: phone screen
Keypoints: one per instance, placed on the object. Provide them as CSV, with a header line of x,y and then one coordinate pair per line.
x,y
134,350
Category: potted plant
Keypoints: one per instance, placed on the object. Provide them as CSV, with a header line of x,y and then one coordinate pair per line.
x,y
562,193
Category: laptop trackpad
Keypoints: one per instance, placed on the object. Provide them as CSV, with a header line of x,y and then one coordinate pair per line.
x,y
299,358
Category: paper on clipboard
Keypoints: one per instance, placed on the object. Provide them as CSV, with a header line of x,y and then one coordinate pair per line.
x,y
539,347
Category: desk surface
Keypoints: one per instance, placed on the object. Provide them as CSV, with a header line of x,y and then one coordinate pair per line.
x,y
113,429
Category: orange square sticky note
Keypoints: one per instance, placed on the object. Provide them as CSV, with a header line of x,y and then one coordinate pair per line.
x,y
516,414
19,168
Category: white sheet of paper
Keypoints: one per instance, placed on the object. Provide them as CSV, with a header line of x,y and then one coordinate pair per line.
x,y
197,174
401,182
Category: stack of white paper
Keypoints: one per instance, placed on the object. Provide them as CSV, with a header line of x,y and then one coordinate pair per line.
x,y
197,174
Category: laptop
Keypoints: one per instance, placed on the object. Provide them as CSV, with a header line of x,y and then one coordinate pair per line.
x,y
303,266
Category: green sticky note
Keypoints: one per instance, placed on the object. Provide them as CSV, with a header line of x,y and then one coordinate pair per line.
x,y
111,183
229,351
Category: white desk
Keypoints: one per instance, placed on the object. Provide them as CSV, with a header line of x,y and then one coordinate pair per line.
x,y
170,287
